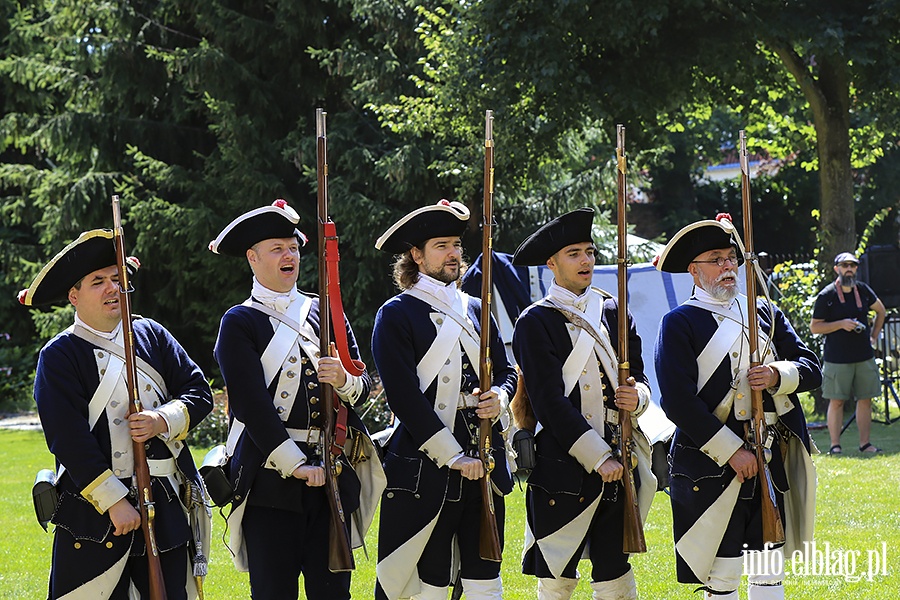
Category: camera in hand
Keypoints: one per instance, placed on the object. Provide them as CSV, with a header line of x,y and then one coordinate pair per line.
x,y
859,327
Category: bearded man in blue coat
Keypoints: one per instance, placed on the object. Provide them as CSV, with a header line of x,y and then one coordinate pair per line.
x,y
426,347
99,549
703,368
268,351
565,345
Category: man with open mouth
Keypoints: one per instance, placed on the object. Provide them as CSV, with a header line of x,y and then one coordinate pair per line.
x,y
702,365
268,351
566,347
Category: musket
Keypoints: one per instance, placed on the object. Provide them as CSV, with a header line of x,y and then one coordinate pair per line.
x,y
141,468
340,555
489,539
760,438
633,533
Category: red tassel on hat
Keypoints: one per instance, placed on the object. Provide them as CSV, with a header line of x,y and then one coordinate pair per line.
x,y
726,216
22,295
280,203
656,260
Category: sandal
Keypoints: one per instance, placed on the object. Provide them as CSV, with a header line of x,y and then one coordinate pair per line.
x,y
868,448
836,449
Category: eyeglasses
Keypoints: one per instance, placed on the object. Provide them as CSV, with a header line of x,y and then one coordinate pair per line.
x,y
847,265
720,261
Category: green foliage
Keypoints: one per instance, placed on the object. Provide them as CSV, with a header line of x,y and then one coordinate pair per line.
x,y
16,375
871,226
797,286
195,111
213,429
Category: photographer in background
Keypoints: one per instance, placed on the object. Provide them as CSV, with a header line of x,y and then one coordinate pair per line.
x,y
849,369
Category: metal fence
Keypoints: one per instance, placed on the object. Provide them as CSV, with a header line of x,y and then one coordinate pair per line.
x,y
888,357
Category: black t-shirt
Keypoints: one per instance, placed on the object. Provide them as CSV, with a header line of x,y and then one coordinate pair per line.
x,y
843,346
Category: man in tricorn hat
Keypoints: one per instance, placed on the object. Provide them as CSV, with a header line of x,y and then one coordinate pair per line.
x,y
426,347
98,547
702,365
565,345
268,351
841,314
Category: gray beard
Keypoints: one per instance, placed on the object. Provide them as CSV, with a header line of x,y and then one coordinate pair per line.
x,y
722,293
848,280
718,291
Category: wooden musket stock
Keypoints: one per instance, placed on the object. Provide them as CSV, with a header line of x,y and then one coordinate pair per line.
x,y
489,540
141,468
340,555
773,530
633,539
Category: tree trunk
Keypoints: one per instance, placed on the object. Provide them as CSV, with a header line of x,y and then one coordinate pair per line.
x,y
832,122
825,82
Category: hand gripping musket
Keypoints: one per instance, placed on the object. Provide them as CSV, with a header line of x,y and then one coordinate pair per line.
x,y
773,530
340,555
489,540
633,539
141,468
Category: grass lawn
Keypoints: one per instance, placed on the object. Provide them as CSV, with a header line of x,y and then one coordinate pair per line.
x,y
855,515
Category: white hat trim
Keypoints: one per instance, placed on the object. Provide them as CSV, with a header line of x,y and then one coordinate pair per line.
x,y
457,209
291,214
726,225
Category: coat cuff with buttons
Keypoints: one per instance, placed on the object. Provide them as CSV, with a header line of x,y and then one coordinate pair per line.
x,y
789,377
590,450
285,458
352,388
644,395
722,446
177,418
441,447
503,417
104,491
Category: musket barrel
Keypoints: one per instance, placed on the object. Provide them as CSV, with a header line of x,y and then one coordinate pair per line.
x,y
633,540
340,554
773,528
489,540
156,582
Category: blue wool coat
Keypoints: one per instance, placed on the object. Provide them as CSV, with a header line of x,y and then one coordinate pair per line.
x,y
697,479
65,382
542,344
244,334
417,488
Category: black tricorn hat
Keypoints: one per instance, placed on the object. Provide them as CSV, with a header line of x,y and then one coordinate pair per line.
x,y
695,239
275,221
91,251
571,228
444,219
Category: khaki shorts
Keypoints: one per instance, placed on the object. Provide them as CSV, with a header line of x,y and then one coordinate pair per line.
x,y
845,381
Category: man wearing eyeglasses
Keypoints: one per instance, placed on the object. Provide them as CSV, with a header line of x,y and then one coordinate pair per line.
x,y
705,381
841,314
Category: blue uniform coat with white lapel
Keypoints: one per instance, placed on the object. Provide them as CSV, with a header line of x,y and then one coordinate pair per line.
x,y
244,334
698,474
542,344
417,487
65,382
